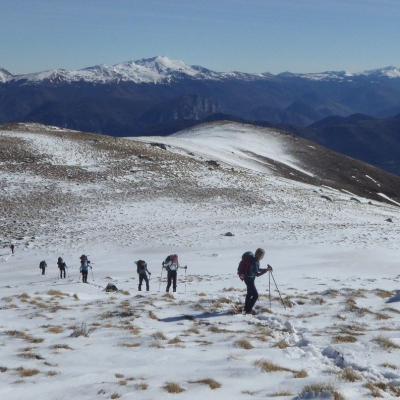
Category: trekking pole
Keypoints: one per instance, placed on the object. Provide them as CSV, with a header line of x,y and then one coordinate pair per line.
x,y
159,286
91,269
185,277
269,289
283,303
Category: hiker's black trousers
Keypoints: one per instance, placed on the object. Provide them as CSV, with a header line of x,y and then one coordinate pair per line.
x,y
171,280
144,277
43,270
251,296
62,273
84,276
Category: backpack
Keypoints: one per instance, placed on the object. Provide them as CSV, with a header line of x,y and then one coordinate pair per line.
x,y
245,264
141,266
171,262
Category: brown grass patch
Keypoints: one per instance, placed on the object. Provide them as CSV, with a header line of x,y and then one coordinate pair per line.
x,y
55,329
152,315
281,394
158,336
57,293
282,344
175,340
383,294
300,374
130,345
268,367
115,396
26,373
344,339
388,365
172,387
61,347
141,386
349,375
212,384
386,343
320,391
244,344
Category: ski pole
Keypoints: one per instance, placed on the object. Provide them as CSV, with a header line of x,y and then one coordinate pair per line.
x,y
185,277
283,303
159,286
269,289
91,269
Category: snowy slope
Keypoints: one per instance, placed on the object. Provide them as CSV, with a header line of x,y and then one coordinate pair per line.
x,y
335,261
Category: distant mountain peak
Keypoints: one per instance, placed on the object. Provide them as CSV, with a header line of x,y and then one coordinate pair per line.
x,y
4,75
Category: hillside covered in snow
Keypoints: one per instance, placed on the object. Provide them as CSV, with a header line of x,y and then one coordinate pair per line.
x,y
329,224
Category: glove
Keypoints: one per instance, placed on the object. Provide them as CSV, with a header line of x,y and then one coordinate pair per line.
x,y
269,268
241,277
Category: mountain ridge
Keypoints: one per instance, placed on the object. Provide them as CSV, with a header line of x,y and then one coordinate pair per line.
x,y
161,69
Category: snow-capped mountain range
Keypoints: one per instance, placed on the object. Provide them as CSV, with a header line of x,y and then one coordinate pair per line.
x,y
162,69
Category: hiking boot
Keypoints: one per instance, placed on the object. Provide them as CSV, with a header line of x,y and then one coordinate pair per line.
x,y
252,312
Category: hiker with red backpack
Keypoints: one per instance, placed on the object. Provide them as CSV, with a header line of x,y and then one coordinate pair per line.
x,y
171,264
248,270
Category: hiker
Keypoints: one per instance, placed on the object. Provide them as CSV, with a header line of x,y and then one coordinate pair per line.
x,y
171,264
143,271
12,247
85,265
62,267
43,266
248,270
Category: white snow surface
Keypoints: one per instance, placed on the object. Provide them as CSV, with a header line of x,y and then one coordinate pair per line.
x,y
234,144
335,263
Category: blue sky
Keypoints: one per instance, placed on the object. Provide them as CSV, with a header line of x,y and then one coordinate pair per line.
x,y
245,35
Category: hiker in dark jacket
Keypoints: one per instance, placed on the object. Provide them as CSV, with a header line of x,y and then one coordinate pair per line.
x,y
143,271
85,265
12,247
62,267
171,264
249,279
43,266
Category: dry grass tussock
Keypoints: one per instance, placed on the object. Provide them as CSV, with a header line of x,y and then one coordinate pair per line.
x,y
344,339
386,343
159,336
376,389
320,391
141,386
115,396
26,373
300,374
349,375
55,329
80,330
281,394
383,294
282,344
61,347
172,387
57,293
244,344
268,367
212,384
390,366
24,336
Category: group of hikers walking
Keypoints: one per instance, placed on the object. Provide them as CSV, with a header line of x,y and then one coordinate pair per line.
x,y
62,266
248,270
170,264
